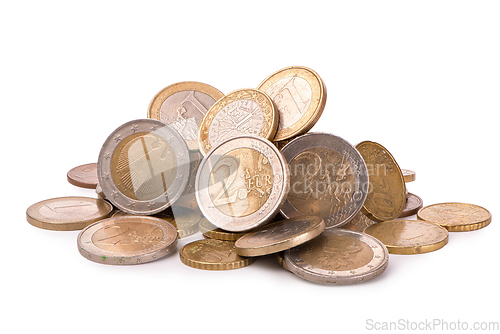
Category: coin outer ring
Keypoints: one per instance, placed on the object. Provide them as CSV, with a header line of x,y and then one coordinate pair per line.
x,y
411,250
93,253
271,115
458,228
160,203
81,184
326,140
316,107
371,270
36,219
316,227
268,211
158,100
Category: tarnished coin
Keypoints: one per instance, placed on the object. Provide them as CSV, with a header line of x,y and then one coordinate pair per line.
x,y
300,97
409,236
338,256
413,204
143,167
183,106
456,217
408,175
280,236
386,197
242,183
213,254
359,222
84,176
328,178
213,232
127,240
67,213
242,112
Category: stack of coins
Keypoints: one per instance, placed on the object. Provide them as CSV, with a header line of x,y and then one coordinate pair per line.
x,y
244,170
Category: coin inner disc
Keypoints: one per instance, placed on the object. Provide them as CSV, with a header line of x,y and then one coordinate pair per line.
x,y
127,237
143,166
68,209
241,182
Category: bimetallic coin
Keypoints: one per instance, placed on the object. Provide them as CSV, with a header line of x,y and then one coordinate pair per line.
x,y
387,191
143,167
328,179
338,256
242,112
359,222
300,97
408,175
409,236
280,236
242,183
413,204
456,217
84,176
183,106
213,232
212,254
127,240
67,213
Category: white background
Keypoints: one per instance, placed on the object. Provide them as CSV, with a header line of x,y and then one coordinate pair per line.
x,y
421,78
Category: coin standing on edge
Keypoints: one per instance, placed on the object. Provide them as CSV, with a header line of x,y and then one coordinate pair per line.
x,y
67,213
280,236
183,106
300,97
242,183
143,167
409,236
242,112
456,217
338,257
84,176
328,178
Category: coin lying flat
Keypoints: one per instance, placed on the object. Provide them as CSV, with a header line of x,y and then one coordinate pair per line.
x,y
300,97
127,240
84,176
328,178
413,204
183,106
359,222
338,256
387,194
213,254
456,217
408,175
242,183
409,236
67,213
242,112
143,167
213,232
280,236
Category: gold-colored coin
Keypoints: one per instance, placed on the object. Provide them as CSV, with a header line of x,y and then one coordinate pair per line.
x,y
300,97
359,222
280,256
183,106
409,175
213,254
242,112
213,232
386,197
409,236
67,213
456,217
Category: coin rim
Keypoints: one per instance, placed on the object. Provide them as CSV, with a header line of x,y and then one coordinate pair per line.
x,y
459,228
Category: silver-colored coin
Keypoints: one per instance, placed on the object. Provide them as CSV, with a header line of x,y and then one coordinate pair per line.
x,y
328,178
127,240
242,183
143,167
338,257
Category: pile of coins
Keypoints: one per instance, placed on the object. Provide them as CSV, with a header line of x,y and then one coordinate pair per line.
x,y
243,170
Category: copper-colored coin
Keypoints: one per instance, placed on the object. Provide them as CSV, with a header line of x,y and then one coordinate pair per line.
x,y
456,217
408,175
386,197
413,204
213,254
409,236
300,97
67,213
242,112
84,176
359,222
183,106
280,256
213,232
127,240
280,236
